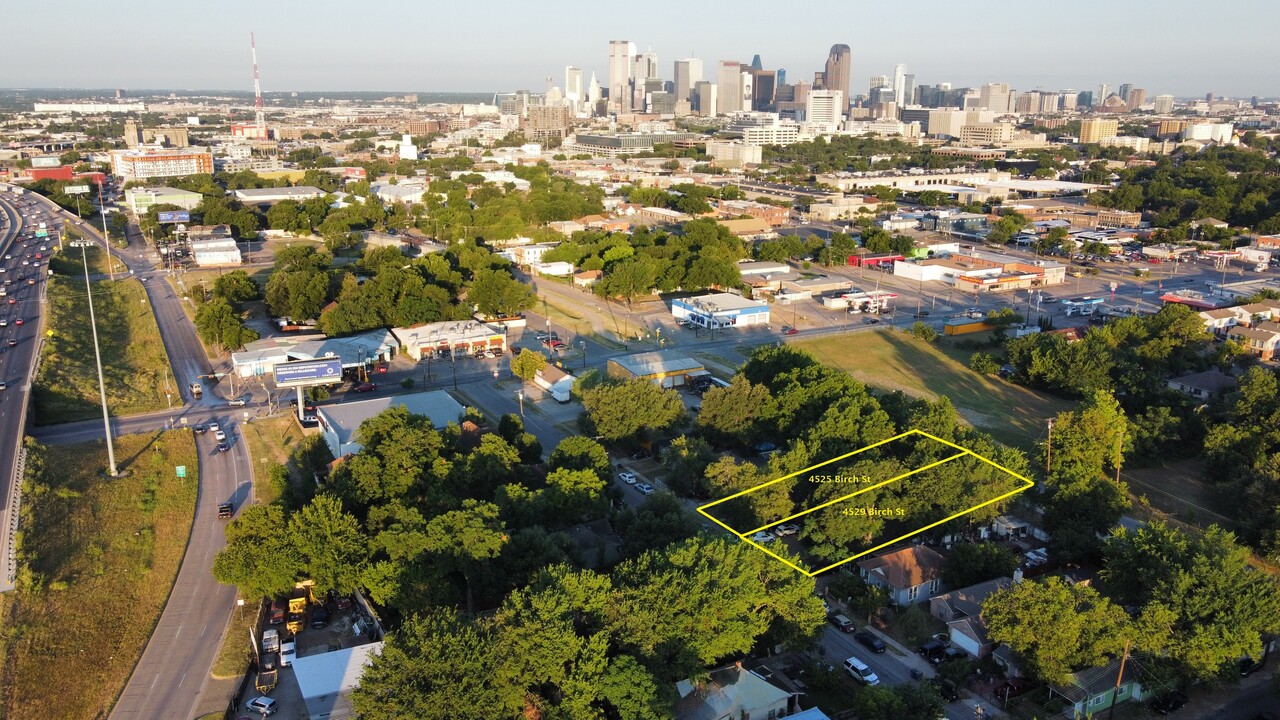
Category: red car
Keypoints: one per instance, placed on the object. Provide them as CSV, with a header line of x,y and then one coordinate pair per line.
x,y
789,331
382,368
18,321
13,300
365,387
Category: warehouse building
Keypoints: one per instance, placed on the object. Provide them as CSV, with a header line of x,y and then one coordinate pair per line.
x,y
339,423
442,338
667,368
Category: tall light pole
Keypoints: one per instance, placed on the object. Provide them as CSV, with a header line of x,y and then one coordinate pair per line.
x,y
106,246
97,356
520,397
583,345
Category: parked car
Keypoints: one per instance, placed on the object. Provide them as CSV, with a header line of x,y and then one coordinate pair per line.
x,y
237,402
946,689
365,387
786,529
1249,666
1013,687
763,537
842,623
868,639
641,455
319,617
859,671
627,477
383,367
644,488
1168,702
276,616
263,705
789,330
933,651
288,652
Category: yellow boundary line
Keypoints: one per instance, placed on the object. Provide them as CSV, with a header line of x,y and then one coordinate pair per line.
x,y
745,536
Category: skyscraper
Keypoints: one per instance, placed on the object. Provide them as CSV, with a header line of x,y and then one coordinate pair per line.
x,y
729,87
995,96
836,76
900,83
1137,96
593,93
706,93
782,77
765,89
687,74
573,86
1164,104
1104,92
909,89
756,64
1124,91
621,55
824,106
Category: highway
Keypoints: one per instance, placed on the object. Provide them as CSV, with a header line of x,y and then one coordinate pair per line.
x,y
23,282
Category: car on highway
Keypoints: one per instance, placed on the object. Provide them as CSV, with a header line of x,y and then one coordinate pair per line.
x,y
263,705
225,510
365,387
627,477
219,436
789,330
17,321
869,640
13,343
644,488
4,385
237,402
223,447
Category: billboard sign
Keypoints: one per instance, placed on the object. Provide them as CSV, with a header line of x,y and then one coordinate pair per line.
x,y
322,371
46,161
76,189
175,216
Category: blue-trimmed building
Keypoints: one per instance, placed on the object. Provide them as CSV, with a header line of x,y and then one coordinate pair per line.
x,y
721,310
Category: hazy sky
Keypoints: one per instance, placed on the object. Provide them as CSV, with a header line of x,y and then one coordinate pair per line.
x,y
1183,47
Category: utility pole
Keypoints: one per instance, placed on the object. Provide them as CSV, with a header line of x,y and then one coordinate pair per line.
x,y
1119,677
106,239
1048,459
97,356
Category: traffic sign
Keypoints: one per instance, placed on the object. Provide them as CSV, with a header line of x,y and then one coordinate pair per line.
x,y
76,189
181,471
42,233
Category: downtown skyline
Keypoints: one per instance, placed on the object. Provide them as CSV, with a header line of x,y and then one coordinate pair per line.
x,y
518,47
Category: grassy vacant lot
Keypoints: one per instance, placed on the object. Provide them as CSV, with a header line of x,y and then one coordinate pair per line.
x,y
68,262
271,442
98,560
134,362
890,360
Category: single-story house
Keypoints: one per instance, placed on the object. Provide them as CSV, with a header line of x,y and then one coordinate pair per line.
x,y
1203,385
587,278
910,574
340,423
1091,691
731,692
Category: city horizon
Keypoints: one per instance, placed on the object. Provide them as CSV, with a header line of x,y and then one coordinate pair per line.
x,y
1000,44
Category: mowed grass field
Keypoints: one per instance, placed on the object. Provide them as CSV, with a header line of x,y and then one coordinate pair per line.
x,y
98,559
891,360
271,440
134,362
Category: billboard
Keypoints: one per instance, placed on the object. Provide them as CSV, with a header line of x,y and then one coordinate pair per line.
x,y
76,189
175,216
46,161
309,372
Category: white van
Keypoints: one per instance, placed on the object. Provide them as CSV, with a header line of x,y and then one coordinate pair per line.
x,y
859,671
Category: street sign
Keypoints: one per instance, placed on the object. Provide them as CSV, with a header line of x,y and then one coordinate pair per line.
x,y
76,189
323,371
1114,286
42,233
181,470
174,216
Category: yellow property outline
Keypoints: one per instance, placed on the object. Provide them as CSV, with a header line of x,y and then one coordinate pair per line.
x,y
964,452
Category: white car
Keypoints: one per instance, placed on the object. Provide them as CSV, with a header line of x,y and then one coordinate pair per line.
x,y
644,488
220,436
237,402
786,529
628,478
763,536
213,427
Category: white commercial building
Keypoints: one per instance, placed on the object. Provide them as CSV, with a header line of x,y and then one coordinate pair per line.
x,y
90,108
340,423
731,152
444,339
1209,132
215,253
824,106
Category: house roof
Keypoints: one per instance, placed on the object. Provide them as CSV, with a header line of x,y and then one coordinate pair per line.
x,y
729,692
1252,333
1090,682
747,226
1210,381
907,567
1218,314
333,672
967,602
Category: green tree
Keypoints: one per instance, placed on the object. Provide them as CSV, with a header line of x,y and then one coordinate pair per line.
x,y
259,558
630,409
580,453
329,544
1056,626
435,667
218,323
237,287
496,294
465,537
983,363
735,413
1220,606
527,364
972,563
